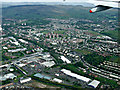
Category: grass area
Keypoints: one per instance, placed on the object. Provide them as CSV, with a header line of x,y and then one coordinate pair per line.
x,y
93,32
115,59
60,32
45,32
83,52
111,33
16,80
37,84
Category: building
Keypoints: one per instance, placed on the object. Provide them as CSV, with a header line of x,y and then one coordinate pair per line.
x,y
57,80
17,50
5,48
42,76
5,65
94,83
25,80
2,78
9,76
23,41
68,72
21,65
39,75
48,64
65,59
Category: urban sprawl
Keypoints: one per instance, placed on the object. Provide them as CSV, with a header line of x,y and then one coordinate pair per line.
x,y
68,53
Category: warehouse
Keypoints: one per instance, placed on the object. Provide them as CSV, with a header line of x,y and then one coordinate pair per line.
x,y
68,72
39,75
42,76
65,59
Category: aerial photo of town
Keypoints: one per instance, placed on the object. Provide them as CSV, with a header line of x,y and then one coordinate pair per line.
x,y
60,46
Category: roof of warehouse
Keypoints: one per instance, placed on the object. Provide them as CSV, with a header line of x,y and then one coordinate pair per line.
x,y
39,75
68,72
65,59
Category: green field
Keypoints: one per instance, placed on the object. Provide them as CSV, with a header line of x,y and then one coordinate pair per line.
x,y
93,32
45,32
115,59
83,52
60,32
111,33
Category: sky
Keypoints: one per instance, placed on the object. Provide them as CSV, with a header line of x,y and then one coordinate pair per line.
x,y
42,0
95,2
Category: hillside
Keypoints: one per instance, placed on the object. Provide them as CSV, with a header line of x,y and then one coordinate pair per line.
x,y
54,11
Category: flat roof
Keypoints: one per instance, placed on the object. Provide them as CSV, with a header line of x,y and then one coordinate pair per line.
x,y
42,76
46,77
25,80
68,72
48,63
39,75
57,80
65,59
9,75
94,83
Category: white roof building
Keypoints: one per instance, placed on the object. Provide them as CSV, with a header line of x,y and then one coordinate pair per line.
x,y
54,43
48,64
25,80
94,83
47,55
11,69
57,80
10,76
5,65
96,70
65,59
114,76
17,50
16,43
57,74
39,34
5,48
23,41
21,65
68,72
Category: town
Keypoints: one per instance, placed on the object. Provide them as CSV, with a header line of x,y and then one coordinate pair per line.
x,y
63,53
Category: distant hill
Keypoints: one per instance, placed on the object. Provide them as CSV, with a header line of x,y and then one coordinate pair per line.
x,y
7,4
54,11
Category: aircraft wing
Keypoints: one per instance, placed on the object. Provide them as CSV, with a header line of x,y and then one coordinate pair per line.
x,y
102,5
